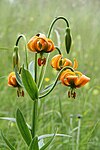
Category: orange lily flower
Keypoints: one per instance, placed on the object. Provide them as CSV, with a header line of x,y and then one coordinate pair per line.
x,y
58,62
74,80
12,80
40,44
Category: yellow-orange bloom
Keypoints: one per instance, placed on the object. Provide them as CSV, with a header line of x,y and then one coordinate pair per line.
x,y
74,80
40,44
12,80
58,62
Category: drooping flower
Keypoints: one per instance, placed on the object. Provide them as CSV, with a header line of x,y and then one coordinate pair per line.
x,y
58,62
13,82
41,44
73,80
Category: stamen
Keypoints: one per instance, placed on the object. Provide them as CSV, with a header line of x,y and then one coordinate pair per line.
x,y
68,94
22,94
73,94
41,61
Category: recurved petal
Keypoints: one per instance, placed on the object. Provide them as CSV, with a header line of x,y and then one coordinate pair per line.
x,y
55,60
82,80
75,66
66,73
67,62
30,44
72,79
51,46
42,35
41,44
12,80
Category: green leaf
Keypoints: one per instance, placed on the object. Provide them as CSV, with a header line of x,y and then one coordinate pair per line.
x,y
34,144
31,68
48,87
7,142
23,128
48,143
41,143
51,135
18,78
8,118
29,84
13,120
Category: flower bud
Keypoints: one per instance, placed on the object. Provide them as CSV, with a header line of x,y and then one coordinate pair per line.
x,y
68,40
16,57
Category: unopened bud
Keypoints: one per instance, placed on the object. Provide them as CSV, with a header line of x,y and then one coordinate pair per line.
x,y
16,57
68,40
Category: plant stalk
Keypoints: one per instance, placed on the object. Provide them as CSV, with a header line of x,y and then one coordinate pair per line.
x,y
34,118
78,133
26,55
35,106
43,69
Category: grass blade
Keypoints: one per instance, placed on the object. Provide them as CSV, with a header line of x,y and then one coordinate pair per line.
x,y
48,143
7,142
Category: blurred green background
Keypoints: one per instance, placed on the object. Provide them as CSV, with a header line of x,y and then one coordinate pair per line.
x,y
30,17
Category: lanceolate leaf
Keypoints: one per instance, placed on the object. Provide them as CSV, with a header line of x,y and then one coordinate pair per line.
x,y
48,143
48,87
8,118
13,120
51,135
34,144
23,127
31,68
7,142
29,84
18,78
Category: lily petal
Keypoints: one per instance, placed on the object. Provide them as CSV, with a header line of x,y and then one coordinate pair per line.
x,y
82,81
55,61
75,66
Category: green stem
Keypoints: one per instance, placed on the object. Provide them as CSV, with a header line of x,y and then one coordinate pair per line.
x,y
71,128
34,118
35,68
40,77
26,58
78,133
35,105
58,50
53,22
56,80
43,70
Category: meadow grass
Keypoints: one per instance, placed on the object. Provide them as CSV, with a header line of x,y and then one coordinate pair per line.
x,y
56,110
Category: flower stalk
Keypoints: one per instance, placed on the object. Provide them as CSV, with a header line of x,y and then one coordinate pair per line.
x,y
34,118
78,132
35,105
48,36
56,80
17,42
54,21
